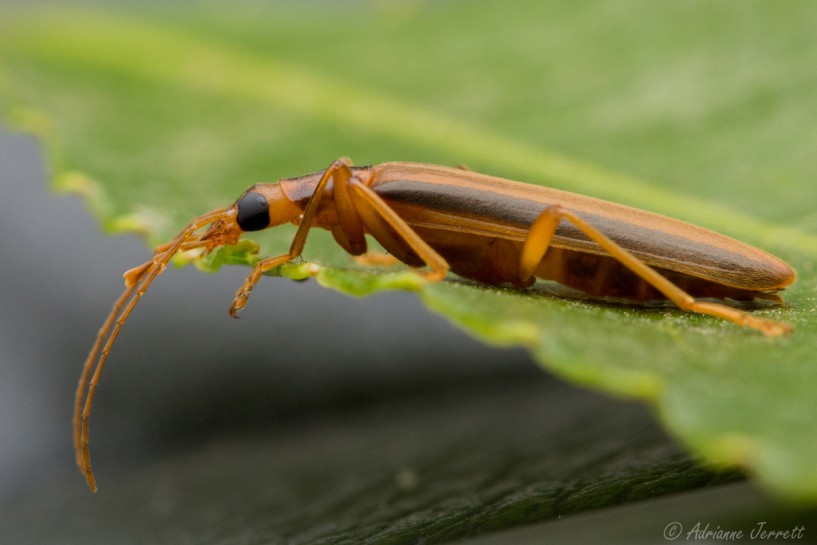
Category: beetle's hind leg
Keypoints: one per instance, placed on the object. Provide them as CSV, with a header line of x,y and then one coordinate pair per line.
x,y
541,234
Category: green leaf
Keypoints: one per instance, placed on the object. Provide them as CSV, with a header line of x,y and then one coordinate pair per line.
x,y
700,111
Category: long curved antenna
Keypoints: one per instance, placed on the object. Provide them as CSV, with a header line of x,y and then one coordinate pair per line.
x,y
137,281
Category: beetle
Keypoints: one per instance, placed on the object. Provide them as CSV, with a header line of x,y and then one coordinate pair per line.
x,y
491,230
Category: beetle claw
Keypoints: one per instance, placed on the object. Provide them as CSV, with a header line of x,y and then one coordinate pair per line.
x,y
239,301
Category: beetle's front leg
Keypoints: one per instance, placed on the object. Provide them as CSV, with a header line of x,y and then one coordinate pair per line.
x,y
338,171
260,268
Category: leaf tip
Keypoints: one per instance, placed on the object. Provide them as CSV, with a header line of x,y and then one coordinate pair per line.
x,y
129,223
31,121
77,183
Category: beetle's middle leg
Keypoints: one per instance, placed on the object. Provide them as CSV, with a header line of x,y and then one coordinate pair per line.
x,y
382,222
541,234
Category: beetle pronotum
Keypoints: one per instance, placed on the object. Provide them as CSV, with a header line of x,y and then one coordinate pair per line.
x,y
483,228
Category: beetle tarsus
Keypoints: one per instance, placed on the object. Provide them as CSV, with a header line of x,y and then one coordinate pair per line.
x,y
238,303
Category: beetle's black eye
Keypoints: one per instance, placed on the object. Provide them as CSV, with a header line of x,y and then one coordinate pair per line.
x,y
253,212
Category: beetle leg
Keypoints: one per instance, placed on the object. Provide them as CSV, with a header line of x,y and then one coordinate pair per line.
x,y
340,173
374,211
258,270
541,234
349,231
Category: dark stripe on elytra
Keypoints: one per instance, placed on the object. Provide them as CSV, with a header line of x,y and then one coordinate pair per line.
x,y
520,212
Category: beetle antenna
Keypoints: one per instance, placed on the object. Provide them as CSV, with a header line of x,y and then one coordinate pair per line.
x,y
137,281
